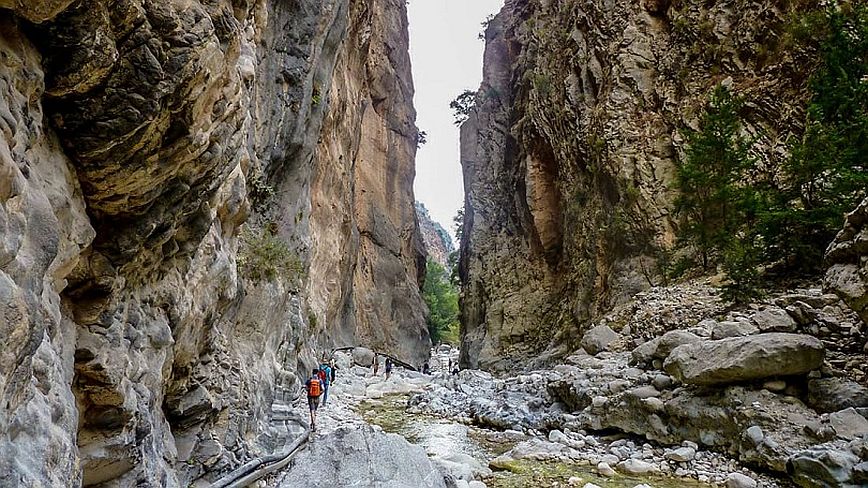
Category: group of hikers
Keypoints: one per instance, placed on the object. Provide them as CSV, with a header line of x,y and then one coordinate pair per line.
x,y
317,386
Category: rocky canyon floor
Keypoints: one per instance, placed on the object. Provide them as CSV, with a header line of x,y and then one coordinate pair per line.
x,y
691,407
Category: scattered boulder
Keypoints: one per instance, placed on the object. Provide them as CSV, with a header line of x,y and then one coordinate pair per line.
x,y
681,455
733,328
637,466
598,339
822,466
363,356
755,434
745,358
848,424
773,319
833,394
662,346
738,480
605,470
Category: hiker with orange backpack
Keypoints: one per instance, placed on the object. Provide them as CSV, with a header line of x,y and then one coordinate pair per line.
x,y
314,389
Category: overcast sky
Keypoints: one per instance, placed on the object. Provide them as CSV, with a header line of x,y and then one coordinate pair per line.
x,y
447,59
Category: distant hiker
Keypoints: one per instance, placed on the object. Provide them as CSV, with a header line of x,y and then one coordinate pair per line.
x,y
325,374
314,390
426,369
334,368
388,367
450,365
455,371
376,363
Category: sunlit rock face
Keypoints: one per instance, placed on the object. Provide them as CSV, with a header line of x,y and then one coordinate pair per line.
x,y
569,155
147,149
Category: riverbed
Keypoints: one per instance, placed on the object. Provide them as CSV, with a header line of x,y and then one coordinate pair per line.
x,y
442,438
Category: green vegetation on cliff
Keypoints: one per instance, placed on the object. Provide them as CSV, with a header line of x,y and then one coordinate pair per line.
x,y
739,215
826,175
442,299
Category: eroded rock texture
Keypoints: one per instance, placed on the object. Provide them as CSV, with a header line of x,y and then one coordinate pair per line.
x,y
149,151
569,156
848,262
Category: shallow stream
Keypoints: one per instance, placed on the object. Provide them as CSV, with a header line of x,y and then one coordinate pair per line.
x,y
442,437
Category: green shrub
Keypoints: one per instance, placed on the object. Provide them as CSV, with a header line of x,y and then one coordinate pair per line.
x,y
265,256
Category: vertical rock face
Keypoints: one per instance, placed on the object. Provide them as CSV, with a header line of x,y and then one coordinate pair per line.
x,y
197,199
368,261
847,258
569,155
438,242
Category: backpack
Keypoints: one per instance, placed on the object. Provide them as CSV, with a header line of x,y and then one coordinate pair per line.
x,y
322,376
314,388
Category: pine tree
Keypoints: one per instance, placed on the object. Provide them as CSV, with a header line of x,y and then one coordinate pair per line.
x,y
709,178
827,173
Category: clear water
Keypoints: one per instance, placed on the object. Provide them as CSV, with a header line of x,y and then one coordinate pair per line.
x,y
442,437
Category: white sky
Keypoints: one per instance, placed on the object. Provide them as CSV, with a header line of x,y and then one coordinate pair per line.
x,y
447,59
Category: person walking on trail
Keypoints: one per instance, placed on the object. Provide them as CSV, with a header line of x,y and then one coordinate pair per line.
x,y
389,366
376,364
325,374
314,389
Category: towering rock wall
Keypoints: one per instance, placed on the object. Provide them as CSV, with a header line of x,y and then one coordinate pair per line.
x,y
569,154
194,205
368,259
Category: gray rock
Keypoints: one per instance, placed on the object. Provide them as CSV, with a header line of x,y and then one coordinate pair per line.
x,y
662,381
362,356
773,319
755,434
598,339
860,473
745,358
847,275
637,466
681,455
738,480
848,424
725,330
834,394
662,346
823,466
397,463
605,470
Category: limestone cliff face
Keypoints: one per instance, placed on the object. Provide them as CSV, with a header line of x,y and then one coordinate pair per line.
x,y
155,159
569,155
438,242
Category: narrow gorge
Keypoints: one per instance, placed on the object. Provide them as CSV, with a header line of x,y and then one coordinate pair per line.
x,y
202,200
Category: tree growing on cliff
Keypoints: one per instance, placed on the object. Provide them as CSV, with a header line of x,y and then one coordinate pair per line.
x,y
462,106
442,300
709,177
827,172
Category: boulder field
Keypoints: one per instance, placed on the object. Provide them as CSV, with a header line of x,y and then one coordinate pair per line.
x,y
765,386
